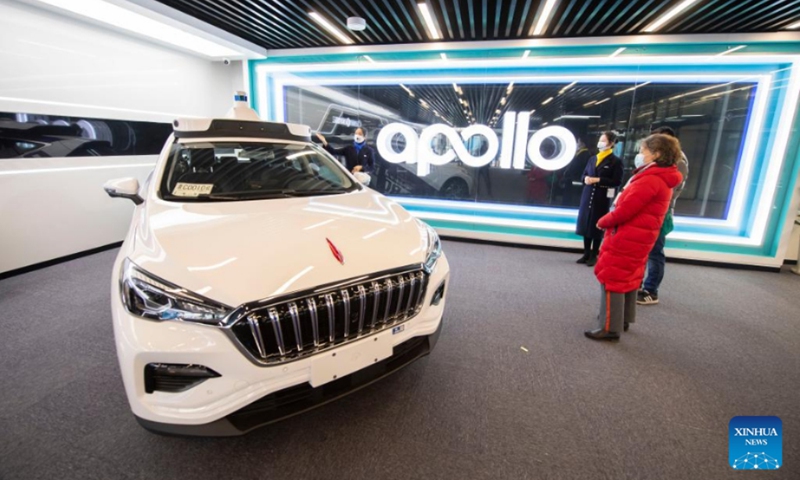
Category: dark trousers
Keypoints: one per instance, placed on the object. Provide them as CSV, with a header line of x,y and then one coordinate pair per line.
x,y
616,309
591,247
656,262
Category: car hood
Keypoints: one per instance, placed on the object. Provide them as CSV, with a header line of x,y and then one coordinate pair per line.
x,y
237,252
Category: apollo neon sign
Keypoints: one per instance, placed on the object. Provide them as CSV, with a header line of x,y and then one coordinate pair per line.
x,y
516,145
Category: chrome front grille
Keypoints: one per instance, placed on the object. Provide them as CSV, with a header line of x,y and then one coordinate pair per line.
x,y
306,324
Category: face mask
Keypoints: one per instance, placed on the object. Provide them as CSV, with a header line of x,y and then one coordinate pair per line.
x,y
639,160
359,138
602,145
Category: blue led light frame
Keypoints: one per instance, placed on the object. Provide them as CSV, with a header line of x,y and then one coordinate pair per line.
x,y
755,226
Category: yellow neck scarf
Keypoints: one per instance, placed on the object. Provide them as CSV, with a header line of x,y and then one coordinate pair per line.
x,y
602,156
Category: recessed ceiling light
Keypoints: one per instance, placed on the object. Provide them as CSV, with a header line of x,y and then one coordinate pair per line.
x,y
617,52
561,92
632,88
526,54
407,90
433,31
545,17
576,117
603,101
443,55
731,50
793,26
547,101
672,13
329,27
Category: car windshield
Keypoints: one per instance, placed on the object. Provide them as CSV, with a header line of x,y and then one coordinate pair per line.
x,y
230,171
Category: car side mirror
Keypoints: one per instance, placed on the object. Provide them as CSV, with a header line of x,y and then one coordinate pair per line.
x,y
363,178
124,188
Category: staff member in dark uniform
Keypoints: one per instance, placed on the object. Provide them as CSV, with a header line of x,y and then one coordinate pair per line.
x,y
601,177
358,157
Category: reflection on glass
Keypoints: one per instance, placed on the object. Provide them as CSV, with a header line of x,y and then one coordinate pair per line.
x,y
24,135
709,119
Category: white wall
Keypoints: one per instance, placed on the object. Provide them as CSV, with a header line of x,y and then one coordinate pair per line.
x,y
52,64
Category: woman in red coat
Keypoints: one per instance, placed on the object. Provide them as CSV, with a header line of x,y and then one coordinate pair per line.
x,y
631,230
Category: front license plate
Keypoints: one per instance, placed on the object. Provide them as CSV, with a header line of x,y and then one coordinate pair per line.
x,y
351,358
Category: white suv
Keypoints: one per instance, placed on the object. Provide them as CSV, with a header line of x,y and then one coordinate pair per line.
x,y
259,279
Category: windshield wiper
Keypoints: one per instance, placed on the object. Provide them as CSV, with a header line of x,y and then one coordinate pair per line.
x,y
311,193
244,196
250,195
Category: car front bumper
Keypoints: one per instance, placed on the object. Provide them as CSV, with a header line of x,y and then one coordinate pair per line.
x,y
246,396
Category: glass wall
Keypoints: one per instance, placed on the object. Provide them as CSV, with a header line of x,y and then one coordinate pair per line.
x,y
492,143
710,120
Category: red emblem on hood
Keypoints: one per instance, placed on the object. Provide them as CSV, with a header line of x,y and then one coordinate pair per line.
x,y
335,251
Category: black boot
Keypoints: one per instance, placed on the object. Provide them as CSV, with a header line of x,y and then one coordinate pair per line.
x,y
594,253
587,250
601,334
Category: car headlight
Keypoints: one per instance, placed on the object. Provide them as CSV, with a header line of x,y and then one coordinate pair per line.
x,y
434,249
150,297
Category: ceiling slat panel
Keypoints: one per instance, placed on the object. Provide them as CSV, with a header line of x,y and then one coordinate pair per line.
x,y
254,29
614,21
445,12
402,24
784,19
524,18
717,12
286,24
374,24
277,21
645,15
510,15
698,12
290,15
732,11
564,16
498,14
607,16
382,22
580,13
592,21
484,17
410,14
745,14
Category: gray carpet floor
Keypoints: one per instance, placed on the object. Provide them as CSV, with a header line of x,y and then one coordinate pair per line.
x,y
722,343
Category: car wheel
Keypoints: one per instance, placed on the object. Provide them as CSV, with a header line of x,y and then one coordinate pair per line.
x,y
455,188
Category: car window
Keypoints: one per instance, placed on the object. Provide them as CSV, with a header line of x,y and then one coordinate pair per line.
x,y
229,171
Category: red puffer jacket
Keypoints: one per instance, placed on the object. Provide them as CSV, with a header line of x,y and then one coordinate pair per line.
x,y
632,228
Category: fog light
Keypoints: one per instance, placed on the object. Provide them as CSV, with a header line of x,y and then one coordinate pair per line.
x,y
166,377
438,295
